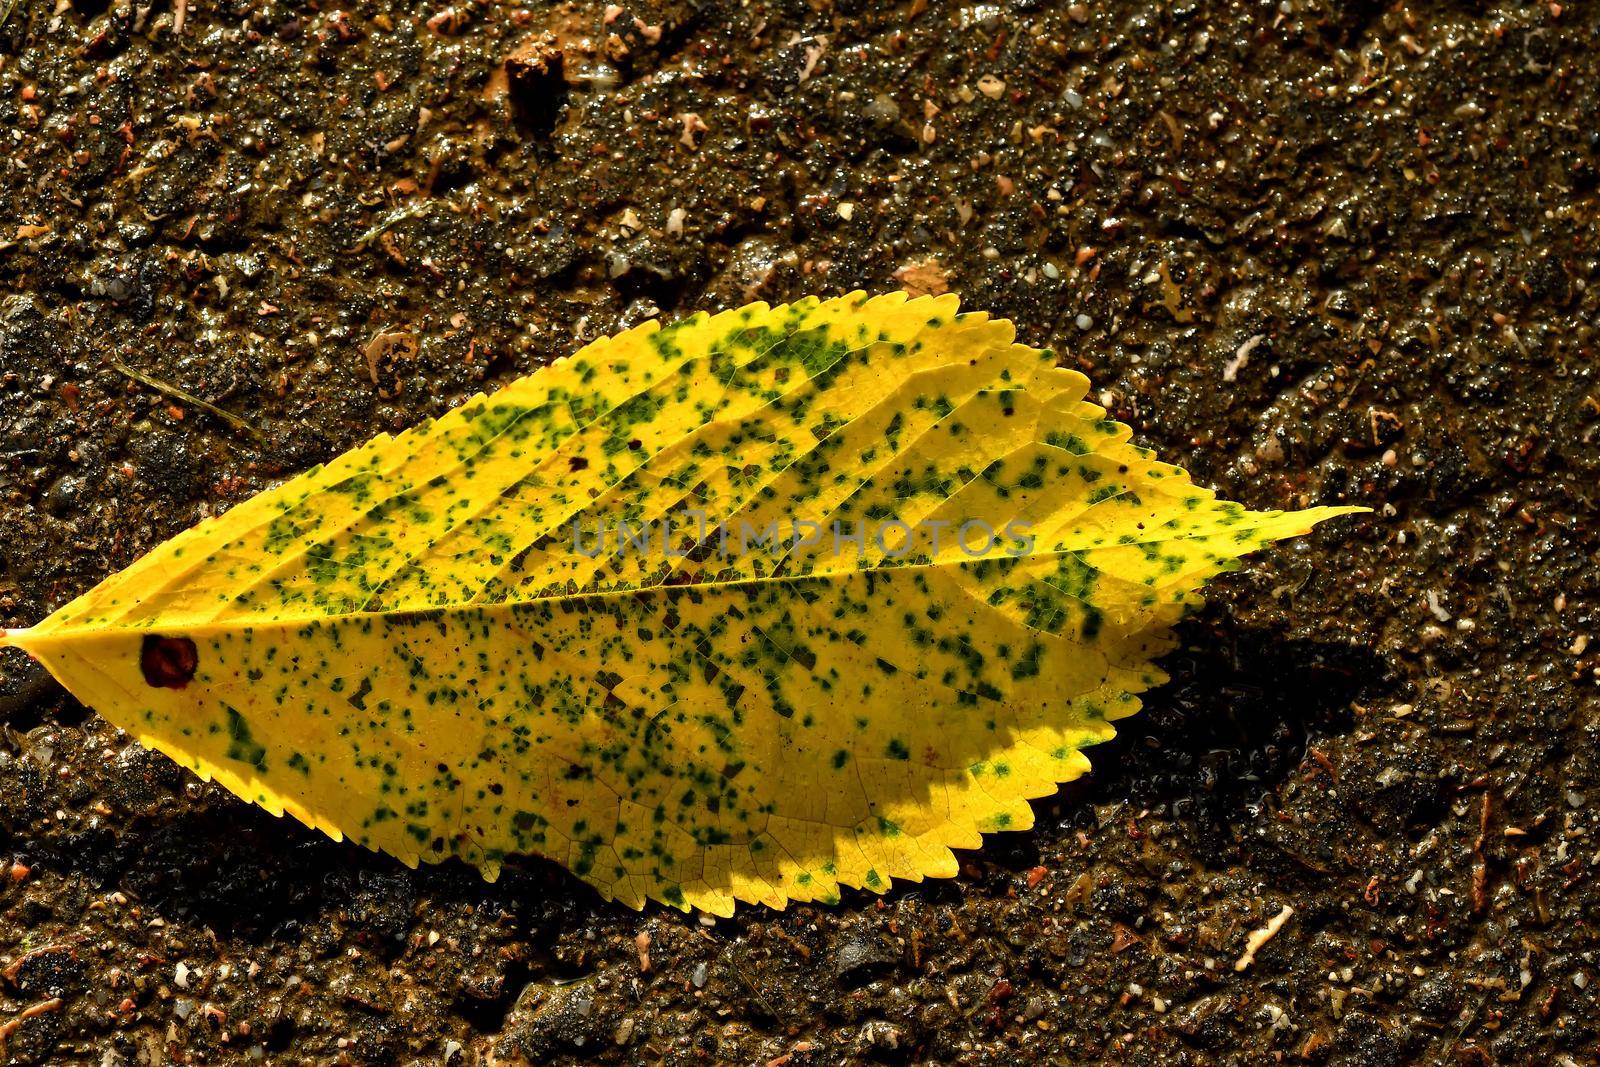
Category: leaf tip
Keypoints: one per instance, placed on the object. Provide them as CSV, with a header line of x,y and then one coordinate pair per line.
x,y
1325,512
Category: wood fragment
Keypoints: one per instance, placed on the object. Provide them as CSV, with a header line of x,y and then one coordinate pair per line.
x,y
1260,937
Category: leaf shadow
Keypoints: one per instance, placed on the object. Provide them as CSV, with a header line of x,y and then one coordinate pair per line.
x,y
1237,716
1240,713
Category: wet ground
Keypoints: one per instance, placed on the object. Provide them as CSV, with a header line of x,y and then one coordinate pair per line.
x,y
1318,253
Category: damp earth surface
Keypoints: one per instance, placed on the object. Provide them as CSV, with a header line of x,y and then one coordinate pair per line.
x,y
1316,253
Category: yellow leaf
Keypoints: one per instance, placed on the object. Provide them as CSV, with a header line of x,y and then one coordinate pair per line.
x,y
872,576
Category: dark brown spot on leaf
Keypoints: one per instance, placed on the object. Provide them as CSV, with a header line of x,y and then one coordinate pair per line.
x,y
168,662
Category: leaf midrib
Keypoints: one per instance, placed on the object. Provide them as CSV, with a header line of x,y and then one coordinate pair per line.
x,y
231,625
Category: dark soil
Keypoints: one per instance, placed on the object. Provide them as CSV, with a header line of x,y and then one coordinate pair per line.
x,y
1316,252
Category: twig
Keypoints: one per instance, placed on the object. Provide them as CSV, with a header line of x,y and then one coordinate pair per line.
x,y
186,397
180,12
394,218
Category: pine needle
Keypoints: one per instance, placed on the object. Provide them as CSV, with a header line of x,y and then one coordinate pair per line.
x,y
185,396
